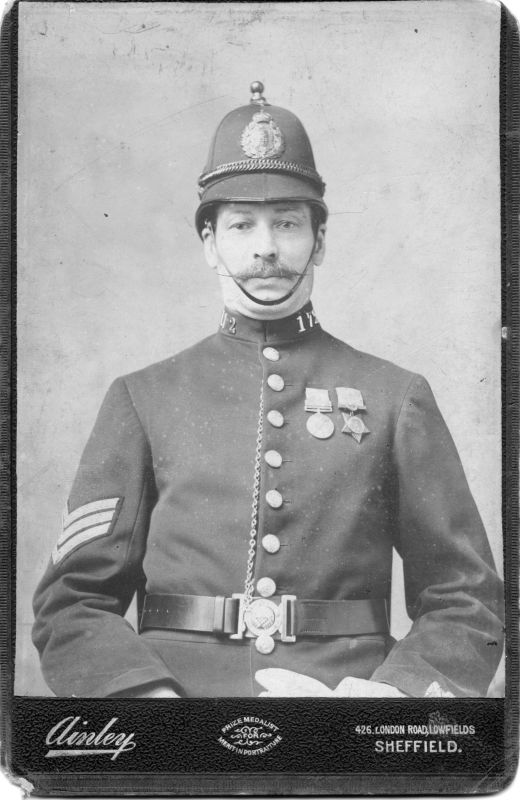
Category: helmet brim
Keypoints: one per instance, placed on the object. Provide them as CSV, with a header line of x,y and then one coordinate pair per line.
x,y
258,187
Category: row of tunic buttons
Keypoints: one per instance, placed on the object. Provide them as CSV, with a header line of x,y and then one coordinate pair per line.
x,y
266,587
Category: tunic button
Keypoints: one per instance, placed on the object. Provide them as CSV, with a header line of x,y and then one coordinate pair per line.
x,y
264,644
275,418
273,458
266,587
276,382
271,543
271,354
274,498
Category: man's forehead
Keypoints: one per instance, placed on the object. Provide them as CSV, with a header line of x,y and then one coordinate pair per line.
x,y
251,209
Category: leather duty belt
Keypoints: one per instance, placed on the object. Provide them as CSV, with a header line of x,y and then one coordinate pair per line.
x,y
284,615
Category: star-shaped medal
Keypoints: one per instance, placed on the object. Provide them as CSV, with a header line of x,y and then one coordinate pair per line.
x,y
354,426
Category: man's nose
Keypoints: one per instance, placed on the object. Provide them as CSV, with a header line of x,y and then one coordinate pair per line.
x,y
265,243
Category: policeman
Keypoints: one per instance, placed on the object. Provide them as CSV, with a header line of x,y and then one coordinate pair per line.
x,y
252,487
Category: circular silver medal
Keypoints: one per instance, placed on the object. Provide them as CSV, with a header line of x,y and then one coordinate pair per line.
x,y
320,426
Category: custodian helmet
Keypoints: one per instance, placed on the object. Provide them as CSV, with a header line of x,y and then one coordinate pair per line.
x,y
260,153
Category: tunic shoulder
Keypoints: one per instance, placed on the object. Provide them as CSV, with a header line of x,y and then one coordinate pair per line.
x,y
367,368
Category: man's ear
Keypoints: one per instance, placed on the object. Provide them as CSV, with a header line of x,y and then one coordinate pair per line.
x,y
319,247
210,250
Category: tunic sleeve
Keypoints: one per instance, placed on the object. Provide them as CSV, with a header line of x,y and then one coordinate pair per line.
x,y
453,594
86,646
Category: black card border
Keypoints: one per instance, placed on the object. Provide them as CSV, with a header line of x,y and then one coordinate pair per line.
x,y
262,783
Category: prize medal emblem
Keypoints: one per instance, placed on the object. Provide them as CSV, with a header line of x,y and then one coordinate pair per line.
x,y
352,400
262,138
319,425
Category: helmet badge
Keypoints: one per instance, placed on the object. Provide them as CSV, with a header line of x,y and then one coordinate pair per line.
x,y
262,138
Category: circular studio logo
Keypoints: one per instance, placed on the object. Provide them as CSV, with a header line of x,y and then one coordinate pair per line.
x,y
250,736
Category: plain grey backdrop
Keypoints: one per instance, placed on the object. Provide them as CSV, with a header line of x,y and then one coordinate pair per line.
x,y
117,105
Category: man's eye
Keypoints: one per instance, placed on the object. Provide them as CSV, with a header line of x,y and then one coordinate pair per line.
x,y
286,224
240,226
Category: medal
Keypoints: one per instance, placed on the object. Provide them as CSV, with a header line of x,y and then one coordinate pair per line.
x,y
352,400
320,426
355,426
318,400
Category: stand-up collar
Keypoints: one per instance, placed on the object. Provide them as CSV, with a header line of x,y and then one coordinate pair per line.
x,y
296,326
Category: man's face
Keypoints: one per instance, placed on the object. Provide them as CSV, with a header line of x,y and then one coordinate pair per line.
x,y
266,247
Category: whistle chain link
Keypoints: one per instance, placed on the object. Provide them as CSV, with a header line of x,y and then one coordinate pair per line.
x,y
253,531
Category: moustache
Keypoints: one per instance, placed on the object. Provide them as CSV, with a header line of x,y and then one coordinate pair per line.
x,y
263,268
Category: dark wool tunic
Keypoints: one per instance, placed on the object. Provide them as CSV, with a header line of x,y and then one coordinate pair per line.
x,y
163,499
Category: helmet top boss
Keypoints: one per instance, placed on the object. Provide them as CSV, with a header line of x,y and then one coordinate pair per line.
x,y
259,154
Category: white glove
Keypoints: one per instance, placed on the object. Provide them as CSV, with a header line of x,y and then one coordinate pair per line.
x,y
157,691
358,687
286,683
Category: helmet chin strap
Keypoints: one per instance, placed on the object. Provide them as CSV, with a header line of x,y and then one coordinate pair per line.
x,y
279,300
285,297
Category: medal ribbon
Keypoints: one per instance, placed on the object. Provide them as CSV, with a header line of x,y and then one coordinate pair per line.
x,y
317,400
350,399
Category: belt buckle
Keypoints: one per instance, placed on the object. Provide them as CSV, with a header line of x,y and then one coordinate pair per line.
x,y
263,618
